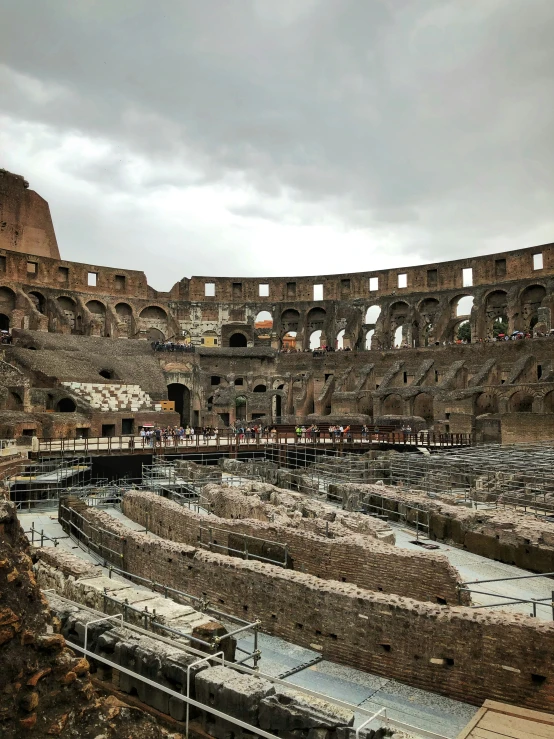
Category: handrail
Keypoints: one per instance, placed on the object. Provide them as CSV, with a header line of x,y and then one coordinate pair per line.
x,y
226,439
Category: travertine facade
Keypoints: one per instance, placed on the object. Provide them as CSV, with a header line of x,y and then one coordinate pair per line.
x,y
69,320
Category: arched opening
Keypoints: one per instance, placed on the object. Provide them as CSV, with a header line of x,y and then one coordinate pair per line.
x,y
153,321
260,389
316,319
240,408
123,311
463,332
368,338
124,315
290,319
180,395
4,322
423,406
154,334
393,405
96,307
462,305
65,405
531,299
15,403
428,311
315,340
486,403
38,301
7,300
340,339
372,314
288,342
399,324
495,307
238,340
521,402
67,306
264,320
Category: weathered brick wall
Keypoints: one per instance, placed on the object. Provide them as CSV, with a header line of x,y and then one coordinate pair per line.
x,y
458,652
505,536
356,559
528,427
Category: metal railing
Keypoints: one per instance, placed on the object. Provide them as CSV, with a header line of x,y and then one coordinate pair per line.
x,y
199,603
206,540
226,440
547,602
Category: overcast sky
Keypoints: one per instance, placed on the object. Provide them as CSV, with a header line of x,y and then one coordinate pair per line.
x,y
281,137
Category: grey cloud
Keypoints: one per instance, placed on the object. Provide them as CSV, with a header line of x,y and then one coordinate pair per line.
x,y
433,114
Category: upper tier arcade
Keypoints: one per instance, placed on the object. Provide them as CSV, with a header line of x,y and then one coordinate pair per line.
x,y
410,307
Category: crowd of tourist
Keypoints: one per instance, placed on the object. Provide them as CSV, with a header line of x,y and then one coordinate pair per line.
x,y
171,346
245,433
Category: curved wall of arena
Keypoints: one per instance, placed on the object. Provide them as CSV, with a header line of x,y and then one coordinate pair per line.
x,y
412,306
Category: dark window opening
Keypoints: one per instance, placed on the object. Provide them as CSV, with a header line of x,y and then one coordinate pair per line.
x,y
441,601
127,425
260,389
538,679
107,374
237,289
500,268
108,429
405,378
539,371
432,278
386,647
238,340
63,274
291,289
345,286
239,381
66,405
120,282
215,380
2,264
436,375
299,626
29,432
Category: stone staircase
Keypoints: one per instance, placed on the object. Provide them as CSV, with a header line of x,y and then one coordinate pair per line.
x,y
113,396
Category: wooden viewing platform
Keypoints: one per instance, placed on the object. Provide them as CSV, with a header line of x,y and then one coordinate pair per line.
x,y
502,721
231,443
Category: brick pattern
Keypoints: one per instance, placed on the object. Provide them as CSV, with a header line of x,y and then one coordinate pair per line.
x,y
458,652
353,558
507,536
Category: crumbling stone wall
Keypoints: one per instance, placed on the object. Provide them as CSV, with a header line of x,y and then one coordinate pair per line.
x,y
503,535
346,557
458,652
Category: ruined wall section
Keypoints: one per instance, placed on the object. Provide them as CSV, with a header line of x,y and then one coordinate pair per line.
x,y
505,536
25,221
422,301
457,652
356,559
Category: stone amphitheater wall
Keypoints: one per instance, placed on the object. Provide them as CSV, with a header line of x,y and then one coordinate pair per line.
x,y
457,652
360,560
